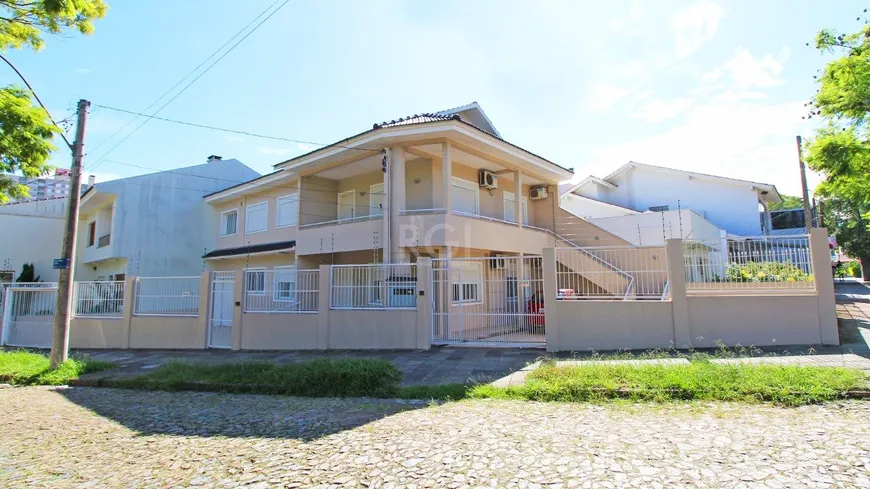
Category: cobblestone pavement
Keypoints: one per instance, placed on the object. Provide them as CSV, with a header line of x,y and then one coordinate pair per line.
x,y
104,438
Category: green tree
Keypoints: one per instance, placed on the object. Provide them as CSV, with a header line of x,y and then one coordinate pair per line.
x,y
28,274
847,220
840,149
788,202
26,130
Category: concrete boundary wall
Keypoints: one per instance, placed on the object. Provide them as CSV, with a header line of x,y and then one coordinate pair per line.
x,y
696,320
406,329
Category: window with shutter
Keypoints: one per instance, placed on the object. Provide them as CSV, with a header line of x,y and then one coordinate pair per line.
x,y
229,222
255,218
288,210
465,196
510,210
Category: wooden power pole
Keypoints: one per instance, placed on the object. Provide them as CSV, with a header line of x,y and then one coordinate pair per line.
x,y
60,338
808,213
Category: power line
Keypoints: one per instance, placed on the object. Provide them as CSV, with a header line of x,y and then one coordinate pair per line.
x,y
291,188
233,131
209,67
179,82
38,100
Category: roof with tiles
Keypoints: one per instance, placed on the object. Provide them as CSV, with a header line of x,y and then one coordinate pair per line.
x,y
418,119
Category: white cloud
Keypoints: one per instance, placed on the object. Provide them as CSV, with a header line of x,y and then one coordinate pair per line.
x,y
83,71
747,71
729,136
602,96
268,150
628,24
695,25
658,110
305,147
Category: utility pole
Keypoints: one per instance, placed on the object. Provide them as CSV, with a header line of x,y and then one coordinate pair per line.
x,y
60,338
808,215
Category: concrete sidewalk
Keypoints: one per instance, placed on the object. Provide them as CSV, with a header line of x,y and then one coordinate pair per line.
x,y
442,365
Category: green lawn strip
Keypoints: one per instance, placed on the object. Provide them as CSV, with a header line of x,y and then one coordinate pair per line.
x,y
698,380
29,368
315,378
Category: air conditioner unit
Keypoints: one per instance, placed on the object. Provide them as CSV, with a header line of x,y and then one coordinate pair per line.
x,y
498,262
538,193
488,179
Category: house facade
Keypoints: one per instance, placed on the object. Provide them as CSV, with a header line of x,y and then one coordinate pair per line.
x,y
648,204
150,224
37,227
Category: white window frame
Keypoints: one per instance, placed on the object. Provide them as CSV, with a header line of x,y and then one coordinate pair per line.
x,y
352,206
524,206
463,270
254,269
248,208
289,197
275,290
468,185
223,226
376,211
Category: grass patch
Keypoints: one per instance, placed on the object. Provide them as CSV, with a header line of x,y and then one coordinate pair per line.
x,y
700,380
444,392
29,368
316,378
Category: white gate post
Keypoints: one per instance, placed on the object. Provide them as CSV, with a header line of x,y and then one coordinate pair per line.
x,y
551,292
7,316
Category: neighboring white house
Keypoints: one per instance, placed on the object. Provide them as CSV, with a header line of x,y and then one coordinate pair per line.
x,y
32,233
646,204
151,225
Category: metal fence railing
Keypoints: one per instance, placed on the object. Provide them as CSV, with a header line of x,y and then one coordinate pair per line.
x,y
611,273
746,264
99,299
166,296
283,289
374,286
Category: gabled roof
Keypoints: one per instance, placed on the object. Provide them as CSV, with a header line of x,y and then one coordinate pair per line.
x,y
473,106
586,181
761,188
359,141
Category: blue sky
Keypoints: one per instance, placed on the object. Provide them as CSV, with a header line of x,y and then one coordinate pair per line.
x,y
711,86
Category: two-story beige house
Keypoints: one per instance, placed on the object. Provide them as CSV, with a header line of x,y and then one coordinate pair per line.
x,y
436,185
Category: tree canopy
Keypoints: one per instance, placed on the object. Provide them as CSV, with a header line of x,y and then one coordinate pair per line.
x,y
840,150
25,21
788,202
26,129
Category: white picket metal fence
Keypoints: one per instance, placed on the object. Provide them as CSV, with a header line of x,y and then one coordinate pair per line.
x,y
166,296
748,264
28,314
611,273
488,300
374,286
99,299
282,290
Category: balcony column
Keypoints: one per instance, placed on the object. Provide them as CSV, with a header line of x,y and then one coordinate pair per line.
x,y
396,172
518,197
446,176
386,231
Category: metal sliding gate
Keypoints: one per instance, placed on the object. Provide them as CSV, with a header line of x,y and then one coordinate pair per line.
x,y
220,313
28,314
488,301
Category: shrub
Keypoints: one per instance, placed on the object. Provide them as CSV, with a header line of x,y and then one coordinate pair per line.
x,y
853,268
766,272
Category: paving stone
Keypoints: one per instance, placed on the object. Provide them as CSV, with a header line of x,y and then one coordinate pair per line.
x,y
82,437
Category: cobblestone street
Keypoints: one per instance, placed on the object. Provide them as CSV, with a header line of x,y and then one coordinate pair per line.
x,y
104,438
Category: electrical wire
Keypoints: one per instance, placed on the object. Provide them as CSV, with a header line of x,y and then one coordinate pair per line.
x,y
38,100
232,131
309,187
209,67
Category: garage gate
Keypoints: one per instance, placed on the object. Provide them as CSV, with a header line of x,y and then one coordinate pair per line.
x,y
488,301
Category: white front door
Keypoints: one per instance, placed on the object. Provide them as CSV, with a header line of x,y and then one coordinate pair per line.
x,y
221,312
346,201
